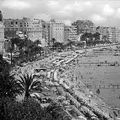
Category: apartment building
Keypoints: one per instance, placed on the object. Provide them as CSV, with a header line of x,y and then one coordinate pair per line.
x,y
70,33
56,29
35,29
114,34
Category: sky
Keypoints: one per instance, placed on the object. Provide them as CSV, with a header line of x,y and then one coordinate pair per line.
x,y
101,12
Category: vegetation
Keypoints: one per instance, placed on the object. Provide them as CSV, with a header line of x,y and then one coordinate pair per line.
x,y
28,85
93,39
28,50
26,110
29,108
57,112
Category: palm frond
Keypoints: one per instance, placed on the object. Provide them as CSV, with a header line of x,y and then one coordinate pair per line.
x,y
35,84
28,85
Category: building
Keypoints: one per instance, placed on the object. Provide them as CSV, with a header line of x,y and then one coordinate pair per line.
x,y
83,25
111,34
70,33
35,29
1,34
114,34
12,26
118,35
56,31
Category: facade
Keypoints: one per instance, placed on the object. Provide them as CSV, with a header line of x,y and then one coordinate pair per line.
x,y
83,25
118,35
12,26
35,29
70,33
111,34
114,34
57,31
1,34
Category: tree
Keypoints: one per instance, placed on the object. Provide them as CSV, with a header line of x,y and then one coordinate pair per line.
x,y
96,36
28,85
57,46
88,37
37,42
69,44
8,86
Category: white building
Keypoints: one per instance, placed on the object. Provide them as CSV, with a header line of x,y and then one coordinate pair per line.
x,y
57,31
114,34
70,33
37,30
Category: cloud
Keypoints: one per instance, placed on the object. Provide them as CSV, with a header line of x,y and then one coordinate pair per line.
x,y
53,4
16,4
43,16
72,8
117,13
102,12
98,19
108,10
88,4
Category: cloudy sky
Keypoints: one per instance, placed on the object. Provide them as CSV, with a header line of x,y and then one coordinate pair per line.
x,y
101,12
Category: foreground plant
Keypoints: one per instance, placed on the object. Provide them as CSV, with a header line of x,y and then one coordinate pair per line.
x,y
29,86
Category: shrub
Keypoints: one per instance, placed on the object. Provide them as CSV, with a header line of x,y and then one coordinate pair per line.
x,y
26,110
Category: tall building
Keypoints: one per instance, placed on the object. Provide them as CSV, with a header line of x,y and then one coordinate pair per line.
x,y
70,33
114,34
1,34
83,25
37,30
57,31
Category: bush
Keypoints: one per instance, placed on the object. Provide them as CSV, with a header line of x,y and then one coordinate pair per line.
x,y
26,110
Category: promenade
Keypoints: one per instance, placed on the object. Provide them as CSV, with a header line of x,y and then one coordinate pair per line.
x,y
65,61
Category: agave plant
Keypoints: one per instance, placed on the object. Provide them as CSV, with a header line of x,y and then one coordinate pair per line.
x,y
28,85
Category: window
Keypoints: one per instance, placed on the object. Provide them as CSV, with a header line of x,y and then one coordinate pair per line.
x,y
21,25
11,23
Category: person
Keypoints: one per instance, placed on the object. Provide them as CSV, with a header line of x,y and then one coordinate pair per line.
x,y
98,91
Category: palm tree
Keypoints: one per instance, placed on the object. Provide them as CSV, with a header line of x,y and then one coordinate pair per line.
x,y
29,86
8,86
